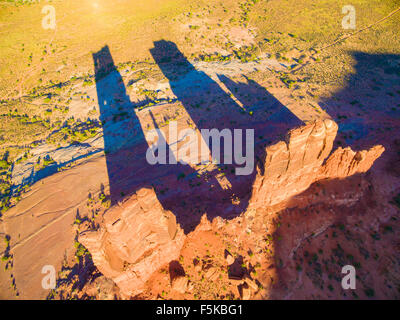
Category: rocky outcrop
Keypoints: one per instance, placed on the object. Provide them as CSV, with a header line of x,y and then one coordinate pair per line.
x,y
291,166
137,237
346,162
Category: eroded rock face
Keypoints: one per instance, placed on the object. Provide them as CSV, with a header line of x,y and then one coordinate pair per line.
x,y
346,162
291,167
137,238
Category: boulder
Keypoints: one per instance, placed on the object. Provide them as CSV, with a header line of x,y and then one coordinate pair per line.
x,y
137,237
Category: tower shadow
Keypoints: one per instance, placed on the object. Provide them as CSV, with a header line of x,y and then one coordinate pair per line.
x,y
367,111
121,126
125,144
178,186
369,103
209,106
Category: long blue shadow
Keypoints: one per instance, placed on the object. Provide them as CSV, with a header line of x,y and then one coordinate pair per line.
x,y
209,107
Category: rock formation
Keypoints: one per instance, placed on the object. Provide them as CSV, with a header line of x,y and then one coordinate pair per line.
x,y
137,237
346,162
291,167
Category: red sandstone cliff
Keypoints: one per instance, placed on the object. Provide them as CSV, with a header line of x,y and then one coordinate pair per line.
x,y
291,167
139,236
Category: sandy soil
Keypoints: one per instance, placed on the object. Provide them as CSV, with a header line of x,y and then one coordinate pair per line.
x,y
292,251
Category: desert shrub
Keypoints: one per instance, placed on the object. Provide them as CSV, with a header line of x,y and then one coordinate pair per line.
x,y
87,82
369,292
397,200
4,164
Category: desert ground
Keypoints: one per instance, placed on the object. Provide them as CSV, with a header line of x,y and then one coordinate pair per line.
x,y
79,101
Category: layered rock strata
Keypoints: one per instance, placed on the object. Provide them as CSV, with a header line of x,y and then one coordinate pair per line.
x,y
291,166
137,237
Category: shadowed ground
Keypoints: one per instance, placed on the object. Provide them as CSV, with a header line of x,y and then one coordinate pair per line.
x,y
208,107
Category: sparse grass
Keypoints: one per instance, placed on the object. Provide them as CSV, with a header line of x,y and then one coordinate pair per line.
x,y
45,70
